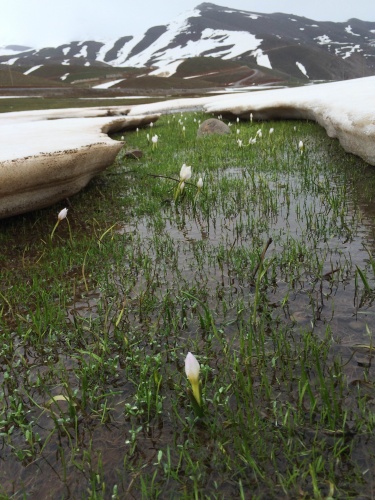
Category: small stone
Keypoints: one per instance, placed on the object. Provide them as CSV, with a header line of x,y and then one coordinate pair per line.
x,y
213,126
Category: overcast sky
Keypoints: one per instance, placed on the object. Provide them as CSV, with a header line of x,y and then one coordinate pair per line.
x,y
41,23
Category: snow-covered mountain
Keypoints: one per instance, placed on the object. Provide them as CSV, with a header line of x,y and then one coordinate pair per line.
x,y
296,46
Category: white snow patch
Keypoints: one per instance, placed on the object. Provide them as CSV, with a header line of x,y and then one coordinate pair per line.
x,y
66,62
302,68
254,16
291,19
66,51
34,68
87,63
342,108
107,85
82,52
351,50
64,77
323,39
203,74
262,59
10,61
19,96
302,29
348,29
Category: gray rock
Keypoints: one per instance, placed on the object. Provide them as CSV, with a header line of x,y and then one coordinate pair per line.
x,y
213,126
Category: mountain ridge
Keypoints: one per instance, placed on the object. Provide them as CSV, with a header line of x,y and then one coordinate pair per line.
x,y
297,46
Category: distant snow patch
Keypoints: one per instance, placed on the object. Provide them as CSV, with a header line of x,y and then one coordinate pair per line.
x,y
107,85
19,96
83,52
291,19
254,16
262,59
34,68
351,50
10,61
87,63
198,76
323,39
64,77
66,51
348,29
302,68
66,62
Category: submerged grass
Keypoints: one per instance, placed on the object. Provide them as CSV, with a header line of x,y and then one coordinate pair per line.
x,y
267,276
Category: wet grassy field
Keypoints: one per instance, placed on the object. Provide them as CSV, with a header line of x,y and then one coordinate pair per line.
x,y
266,275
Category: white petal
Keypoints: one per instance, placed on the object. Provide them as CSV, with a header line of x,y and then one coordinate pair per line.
x,y
62,214
192,367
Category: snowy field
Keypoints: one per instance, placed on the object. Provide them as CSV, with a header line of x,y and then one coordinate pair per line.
x,y
345,109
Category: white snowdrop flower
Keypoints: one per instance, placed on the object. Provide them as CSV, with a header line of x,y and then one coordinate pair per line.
x,y
251,117
62,214
192,369
238,131
154,140
271,130
239,142
185,172
238,120
259,133
200,183
252,140
151,124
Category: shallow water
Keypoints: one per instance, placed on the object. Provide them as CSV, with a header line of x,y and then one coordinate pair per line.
x,y
213,255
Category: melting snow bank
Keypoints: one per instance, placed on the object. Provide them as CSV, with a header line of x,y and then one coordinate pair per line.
x,y
47,156
345,109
